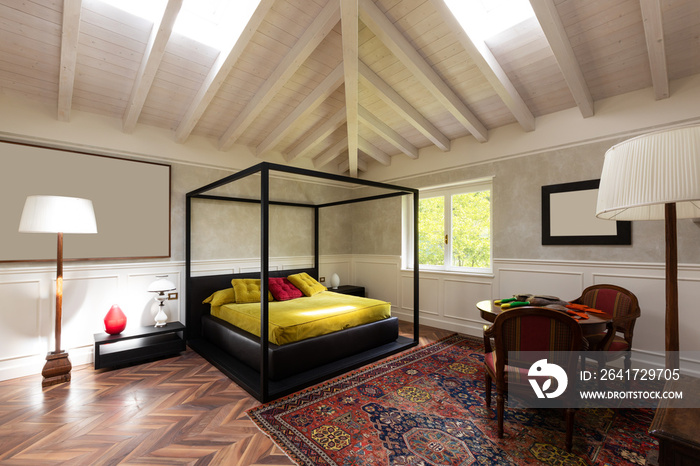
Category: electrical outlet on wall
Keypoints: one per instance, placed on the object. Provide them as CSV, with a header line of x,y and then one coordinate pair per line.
x,y
321,279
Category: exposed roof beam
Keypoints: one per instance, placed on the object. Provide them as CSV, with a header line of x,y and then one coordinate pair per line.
x,y
345,166
219,71
324,90
551,24
391,136
155,49
489,67
332,153
654,33
69,56
403,108
377,154
392,38
318,135
322,25
349,21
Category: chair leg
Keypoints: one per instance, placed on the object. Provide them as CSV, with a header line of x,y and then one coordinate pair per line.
x,y
488,390
570,413
500,405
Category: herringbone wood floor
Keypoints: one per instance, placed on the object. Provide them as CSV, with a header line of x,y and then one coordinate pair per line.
x,y
174,411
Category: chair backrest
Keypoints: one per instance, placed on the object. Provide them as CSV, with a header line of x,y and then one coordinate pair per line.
x,y
538,329
622,304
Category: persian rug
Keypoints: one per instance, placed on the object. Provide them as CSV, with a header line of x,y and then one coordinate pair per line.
x,y
426,407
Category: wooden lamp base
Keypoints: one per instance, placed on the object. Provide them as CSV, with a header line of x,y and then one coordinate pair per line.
x,y
57,368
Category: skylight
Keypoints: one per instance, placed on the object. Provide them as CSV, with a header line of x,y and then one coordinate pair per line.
x,y
484,19
216,23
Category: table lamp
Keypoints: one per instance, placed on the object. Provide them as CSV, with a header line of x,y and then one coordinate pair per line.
x,y
57,214
160,286
653,177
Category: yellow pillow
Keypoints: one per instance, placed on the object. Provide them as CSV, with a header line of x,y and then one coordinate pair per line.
x,y
221,297
248,290
306,284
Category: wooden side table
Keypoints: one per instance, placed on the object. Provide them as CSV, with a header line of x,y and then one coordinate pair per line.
x,y
139,345
677,428
350,289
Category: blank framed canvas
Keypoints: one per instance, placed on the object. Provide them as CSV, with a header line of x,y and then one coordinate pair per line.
x,y
131,201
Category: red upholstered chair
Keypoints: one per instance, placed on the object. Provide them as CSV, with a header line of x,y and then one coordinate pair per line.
x,y
528,329
623,305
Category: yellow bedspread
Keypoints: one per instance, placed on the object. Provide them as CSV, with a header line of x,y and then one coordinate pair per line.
x,y
307,317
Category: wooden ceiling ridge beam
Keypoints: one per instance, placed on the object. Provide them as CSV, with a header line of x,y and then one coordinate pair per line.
x,y
332,153
403,108
155,49
386,132
654,35
292,61
546,13
372,151
318,135
401,48
70,31
344,166
489,67
322,92
223,65
350,25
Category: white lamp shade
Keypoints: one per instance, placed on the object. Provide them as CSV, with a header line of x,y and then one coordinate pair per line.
x,y
161,285
642,174
57,214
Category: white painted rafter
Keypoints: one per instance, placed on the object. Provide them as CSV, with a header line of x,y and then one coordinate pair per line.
x,y
316,136
219,71
338,149
69,56
400,47
546,13
155,49
312,37
386,132
349,19
654,34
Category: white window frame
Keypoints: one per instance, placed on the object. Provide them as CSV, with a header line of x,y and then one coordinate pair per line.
x,y
481,184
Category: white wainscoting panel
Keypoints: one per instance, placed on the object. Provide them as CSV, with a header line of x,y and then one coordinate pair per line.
x,y
563,284
20,314
379,275
461,295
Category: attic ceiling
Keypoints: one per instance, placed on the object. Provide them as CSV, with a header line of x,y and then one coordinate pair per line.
x,y
349,83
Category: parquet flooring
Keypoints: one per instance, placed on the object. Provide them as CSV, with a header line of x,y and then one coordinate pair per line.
x,y
174,411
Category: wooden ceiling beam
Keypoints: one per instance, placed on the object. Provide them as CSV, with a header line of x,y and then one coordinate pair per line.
x,y
402,49
307,43
386,132
350,24
318,135
70,30
403,108
344,166
489,67
320,93
379,155
155,49
219,71
654,34
332,153
546,13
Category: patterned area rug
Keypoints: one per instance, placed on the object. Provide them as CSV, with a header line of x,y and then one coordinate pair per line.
x,y
426,407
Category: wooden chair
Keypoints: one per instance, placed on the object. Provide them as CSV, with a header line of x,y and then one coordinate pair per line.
x,y
616,341
528,329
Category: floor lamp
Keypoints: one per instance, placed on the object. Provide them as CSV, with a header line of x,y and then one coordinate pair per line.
x,y
57,214
656,176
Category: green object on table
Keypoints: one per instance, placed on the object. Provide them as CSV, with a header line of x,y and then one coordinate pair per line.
x,y
511,304
504,300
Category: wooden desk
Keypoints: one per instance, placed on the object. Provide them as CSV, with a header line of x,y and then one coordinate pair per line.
x,y
595,323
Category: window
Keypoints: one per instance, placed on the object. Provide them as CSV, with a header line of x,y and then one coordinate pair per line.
x,y
454,227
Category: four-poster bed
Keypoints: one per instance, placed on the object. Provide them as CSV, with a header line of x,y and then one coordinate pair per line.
x,y
264,369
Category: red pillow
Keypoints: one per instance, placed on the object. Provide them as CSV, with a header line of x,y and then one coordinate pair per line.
x,y
283,290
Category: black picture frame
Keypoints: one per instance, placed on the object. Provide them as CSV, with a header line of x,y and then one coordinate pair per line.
x,y
591,236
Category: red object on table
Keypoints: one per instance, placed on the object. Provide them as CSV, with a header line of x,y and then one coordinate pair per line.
x,y
115,320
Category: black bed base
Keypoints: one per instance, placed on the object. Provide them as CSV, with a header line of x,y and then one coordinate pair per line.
x,y
249,379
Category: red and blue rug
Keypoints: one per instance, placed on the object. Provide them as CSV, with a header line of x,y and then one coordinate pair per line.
x,y
426,407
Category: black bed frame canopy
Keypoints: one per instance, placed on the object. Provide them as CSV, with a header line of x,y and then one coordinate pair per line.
x,y
264,170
